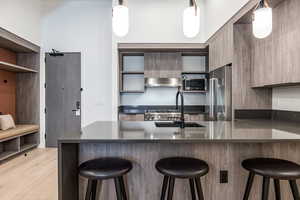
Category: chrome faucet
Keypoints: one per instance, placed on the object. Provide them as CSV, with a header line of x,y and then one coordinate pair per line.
x,y
180,92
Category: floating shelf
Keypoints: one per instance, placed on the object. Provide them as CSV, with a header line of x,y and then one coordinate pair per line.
x,y
133,72
132,91
195,91
15,68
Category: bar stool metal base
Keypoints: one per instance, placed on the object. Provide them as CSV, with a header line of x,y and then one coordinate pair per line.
x,y
102,169
265,188
270,168
119,185
168,186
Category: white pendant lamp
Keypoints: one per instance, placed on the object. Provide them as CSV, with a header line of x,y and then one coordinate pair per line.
x,y
191,20
120,19
263,20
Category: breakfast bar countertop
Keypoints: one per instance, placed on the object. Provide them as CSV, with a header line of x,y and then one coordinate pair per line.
x,y
213,131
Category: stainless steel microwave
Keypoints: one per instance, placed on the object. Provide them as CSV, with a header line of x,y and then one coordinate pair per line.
x,y
195,84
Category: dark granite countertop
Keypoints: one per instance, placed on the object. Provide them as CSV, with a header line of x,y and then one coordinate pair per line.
x,y
237,131
141,109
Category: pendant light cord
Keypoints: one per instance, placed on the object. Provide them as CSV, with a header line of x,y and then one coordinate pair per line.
x,y
194,3
262,4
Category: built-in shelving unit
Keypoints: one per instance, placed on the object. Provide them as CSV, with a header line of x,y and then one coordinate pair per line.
x,y
140,61
19,77
15,68
15,145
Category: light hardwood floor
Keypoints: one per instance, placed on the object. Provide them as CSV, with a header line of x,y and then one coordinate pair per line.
x,y
33,177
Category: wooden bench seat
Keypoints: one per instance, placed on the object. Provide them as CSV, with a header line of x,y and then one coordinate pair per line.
x,y
18,131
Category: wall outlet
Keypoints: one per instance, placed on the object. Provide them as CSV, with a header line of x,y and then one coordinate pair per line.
x,y
223,176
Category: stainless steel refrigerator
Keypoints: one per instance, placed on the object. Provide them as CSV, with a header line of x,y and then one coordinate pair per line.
x,y
220,94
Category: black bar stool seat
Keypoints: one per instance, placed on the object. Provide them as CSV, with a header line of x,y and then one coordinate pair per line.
x,y
105,168
183,168
271,168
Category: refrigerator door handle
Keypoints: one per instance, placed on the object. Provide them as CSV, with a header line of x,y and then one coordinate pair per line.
x,y
212,98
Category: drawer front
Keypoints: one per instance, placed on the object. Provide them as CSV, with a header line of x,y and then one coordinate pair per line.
x,y
131,117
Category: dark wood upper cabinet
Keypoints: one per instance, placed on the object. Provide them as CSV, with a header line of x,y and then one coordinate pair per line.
x,y
163,65
275,59
221,47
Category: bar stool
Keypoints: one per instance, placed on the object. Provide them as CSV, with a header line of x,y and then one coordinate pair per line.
x,y
276,169
105,168
183,168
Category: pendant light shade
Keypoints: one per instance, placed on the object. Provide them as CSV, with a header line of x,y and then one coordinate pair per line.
x,y
191,21
263,21
120,20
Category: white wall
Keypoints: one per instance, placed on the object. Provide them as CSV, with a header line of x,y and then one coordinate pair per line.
x,y
83,26
22,18
286,98
162,96
217,13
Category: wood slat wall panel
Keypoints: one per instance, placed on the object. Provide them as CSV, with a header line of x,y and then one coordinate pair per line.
x,y
144,182
8,56
8,93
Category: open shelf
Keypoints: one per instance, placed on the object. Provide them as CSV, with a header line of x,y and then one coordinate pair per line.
x,y
28,146
28,141
9,148
15,68
6,154
131,91
132,72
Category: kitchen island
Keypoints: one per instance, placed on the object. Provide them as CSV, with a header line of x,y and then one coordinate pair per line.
x,y
223,145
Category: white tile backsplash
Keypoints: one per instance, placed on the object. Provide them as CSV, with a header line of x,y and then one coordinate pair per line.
x,y
286,98
161,96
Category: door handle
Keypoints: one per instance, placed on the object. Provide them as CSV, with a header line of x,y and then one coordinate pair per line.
x,y
78,105
77,111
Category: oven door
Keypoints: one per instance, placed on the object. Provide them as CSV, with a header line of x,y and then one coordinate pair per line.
x,y
196,84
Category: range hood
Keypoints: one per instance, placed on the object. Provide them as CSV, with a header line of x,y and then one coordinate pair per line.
x,y
163,82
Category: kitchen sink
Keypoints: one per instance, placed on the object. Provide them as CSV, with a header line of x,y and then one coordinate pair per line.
x,y
176,124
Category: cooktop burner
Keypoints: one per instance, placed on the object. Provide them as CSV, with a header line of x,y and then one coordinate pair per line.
x,y
162,115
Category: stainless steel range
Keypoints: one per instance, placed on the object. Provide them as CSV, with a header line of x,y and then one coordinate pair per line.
x,y
162,115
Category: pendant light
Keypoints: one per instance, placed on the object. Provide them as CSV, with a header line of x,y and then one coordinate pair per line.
x,y
191,20
120,19
262,20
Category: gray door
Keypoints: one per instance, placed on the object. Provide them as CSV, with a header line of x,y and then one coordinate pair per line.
x,y
63,95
